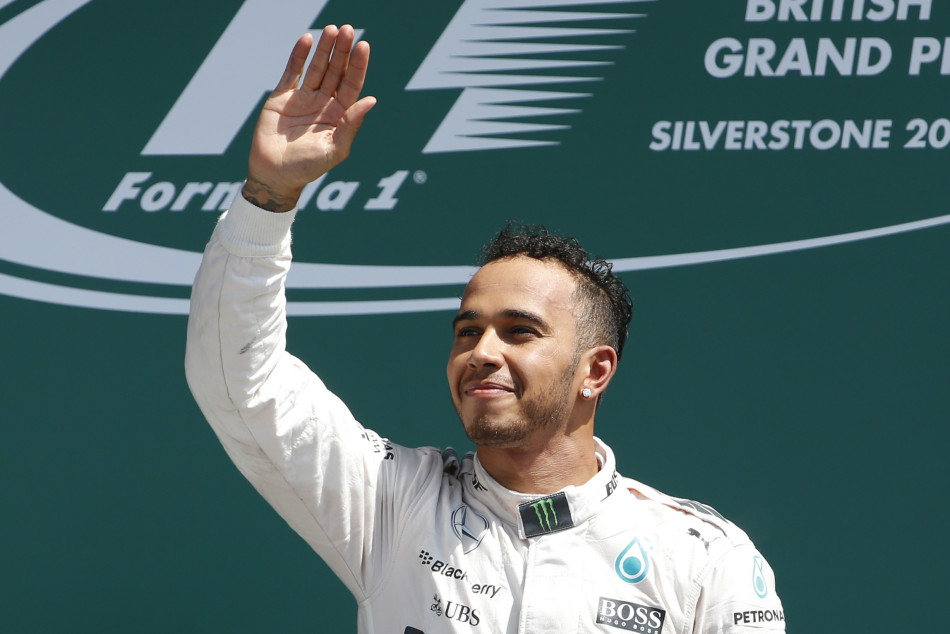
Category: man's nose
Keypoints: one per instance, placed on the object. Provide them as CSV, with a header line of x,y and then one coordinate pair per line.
x,y
488,350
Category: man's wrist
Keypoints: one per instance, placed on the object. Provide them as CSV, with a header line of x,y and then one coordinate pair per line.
x,y
267,197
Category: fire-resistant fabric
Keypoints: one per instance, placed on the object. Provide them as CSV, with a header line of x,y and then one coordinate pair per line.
x,y
428,542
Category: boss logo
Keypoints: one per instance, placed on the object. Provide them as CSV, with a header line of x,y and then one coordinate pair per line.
x,y
630,616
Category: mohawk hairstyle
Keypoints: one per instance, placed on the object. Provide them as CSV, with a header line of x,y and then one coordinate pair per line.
x,y
604,304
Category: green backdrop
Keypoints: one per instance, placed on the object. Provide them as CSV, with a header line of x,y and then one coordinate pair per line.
x,y
788,359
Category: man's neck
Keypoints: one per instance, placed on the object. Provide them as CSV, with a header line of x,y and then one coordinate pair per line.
x,y
544,468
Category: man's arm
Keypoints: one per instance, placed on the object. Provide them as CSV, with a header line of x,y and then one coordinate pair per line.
x,y
294,440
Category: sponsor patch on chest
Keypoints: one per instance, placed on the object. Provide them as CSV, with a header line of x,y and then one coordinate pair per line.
x,y
632,617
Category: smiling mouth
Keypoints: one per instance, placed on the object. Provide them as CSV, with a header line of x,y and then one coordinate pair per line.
x,y
487,389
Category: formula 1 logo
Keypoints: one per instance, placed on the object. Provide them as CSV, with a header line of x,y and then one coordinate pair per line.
x,y
490,50
520,69
234,77
485,51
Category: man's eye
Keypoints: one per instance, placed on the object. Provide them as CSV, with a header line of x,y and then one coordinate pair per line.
x,y
523,330
466,332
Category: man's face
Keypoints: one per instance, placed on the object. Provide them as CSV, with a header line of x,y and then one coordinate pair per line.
x,y
513,366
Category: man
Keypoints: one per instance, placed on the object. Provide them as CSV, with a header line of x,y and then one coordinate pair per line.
x,y
536,532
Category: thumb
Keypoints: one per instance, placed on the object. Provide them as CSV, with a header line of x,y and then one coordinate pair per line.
x,y
351,121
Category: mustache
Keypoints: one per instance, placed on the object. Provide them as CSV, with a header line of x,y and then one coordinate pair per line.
x,y
494,379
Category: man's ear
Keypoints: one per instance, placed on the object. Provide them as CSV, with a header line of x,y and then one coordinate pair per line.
x,y
600,363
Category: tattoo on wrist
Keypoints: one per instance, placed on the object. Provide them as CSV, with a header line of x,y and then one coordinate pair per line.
x,y
263,196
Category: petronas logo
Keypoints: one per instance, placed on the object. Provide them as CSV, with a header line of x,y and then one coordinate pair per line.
x,y
758,578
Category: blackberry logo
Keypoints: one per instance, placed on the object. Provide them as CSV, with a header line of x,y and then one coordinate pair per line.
x,y
440,567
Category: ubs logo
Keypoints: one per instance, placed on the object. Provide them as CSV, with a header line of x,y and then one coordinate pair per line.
x,y
455,611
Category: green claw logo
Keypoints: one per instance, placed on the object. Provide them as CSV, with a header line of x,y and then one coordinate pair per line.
x,y
543,506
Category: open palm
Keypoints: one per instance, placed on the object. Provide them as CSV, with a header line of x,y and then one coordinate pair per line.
x,y
307,127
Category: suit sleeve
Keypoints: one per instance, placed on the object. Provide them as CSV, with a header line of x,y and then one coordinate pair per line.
x,y
295,441
738,596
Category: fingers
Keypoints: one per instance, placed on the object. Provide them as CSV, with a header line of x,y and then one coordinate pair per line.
x,y
330,62
333,70
352,84
321,58
339,61
298,57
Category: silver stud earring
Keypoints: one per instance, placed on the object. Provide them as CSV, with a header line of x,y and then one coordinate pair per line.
x,y
586,392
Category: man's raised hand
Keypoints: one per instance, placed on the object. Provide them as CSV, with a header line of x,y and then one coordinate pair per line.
x,y
308,127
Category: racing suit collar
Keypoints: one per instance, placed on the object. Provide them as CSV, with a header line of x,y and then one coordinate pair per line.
x,y
536,515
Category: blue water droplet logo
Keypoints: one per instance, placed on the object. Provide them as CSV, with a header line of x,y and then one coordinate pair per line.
x,y
759,584
632,563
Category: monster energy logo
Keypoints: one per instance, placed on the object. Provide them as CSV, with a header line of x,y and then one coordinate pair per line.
x,y
542,506
546,515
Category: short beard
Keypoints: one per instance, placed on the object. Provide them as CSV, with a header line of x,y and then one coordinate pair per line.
x,y
545,411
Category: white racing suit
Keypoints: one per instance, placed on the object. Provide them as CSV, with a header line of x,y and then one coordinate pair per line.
x,y
430,543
